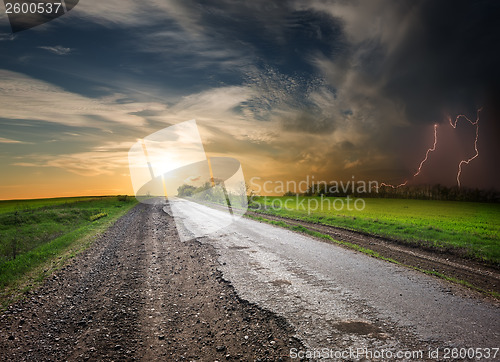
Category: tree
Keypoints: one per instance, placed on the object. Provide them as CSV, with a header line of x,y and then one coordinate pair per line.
x,y
185,190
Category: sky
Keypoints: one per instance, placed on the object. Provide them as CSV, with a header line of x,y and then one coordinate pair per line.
x,y
330,89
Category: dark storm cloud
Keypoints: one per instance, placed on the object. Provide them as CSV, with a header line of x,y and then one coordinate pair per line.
x,y
448,61
277,33
409,64
427,58
269,46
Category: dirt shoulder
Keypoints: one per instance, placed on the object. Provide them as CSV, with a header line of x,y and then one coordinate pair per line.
x,y
479,275
139,293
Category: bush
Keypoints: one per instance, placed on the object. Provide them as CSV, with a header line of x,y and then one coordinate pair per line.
x,y
98,216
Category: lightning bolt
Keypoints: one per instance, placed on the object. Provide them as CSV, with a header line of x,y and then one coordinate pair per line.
x,y
394,186
433,148
475,123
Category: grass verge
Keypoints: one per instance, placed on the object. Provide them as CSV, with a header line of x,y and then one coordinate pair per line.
x,y
7,206
30,268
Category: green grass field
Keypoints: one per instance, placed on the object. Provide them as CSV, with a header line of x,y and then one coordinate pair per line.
x,y
473,227
34,232
7,206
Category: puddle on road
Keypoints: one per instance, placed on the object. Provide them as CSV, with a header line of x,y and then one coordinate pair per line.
x,y
357,327
280,282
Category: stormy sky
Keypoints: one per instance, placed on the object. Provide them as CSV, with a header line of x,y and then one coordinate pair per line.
x,y
333,89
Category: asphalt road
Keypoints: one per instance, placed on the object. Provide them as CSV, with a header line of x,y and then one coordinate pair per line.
x,y
338,298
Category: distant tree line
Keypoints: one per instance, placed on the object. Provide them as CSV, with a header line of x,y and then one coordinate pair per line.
x,y
419,192
440,192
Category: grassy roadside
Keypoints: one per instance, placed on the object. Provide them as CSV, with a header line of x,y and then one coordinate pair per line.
x,y
372,253
30,268
7,206
468,226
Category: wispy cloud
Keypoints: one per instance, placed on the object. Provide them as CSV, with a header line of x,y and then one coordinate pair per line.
x,y
6,140
91,163
188,50
127,13
7,37
23,97
58,49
